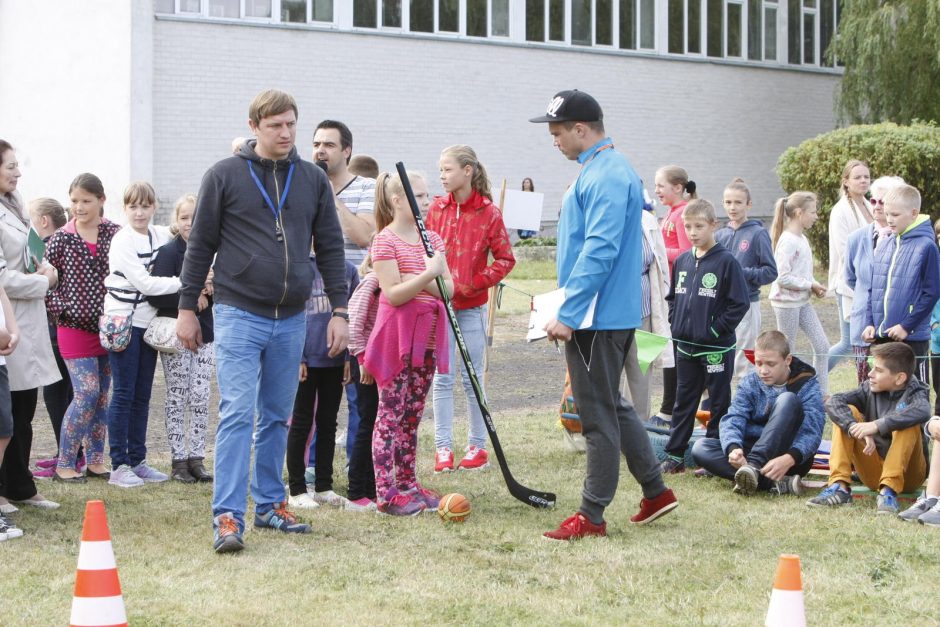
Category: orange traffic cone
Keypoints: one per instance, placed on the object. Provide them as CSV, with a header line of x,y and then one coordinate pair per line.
x,y
97,601
786,600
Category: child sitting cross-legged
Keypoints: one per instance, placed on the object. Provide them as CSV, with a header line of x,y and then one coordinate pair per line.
x,y
877,429
770,434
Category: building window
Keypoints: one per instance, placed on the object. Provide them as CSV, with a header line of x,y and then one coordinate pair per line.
x,y
811,26
733,46
164,6
604,23
448,16
716,28
581,22
499,22
258,8
556,20
294,11
421,16
391,13
676,26
476,18
224,8
365,14
627,39
770,31
535,20
828,18
685,26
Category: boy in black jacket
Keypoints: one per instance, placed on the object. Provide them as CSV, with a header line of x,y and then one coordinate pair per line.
x,y
707,299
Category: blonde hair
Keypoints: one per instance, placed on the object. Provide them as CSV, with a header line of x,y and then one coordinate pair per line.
x,y
700,208
676,175
905,195
785,209
386,186
140,192
737,184
181,202
271,102
49,207
850,165
465,156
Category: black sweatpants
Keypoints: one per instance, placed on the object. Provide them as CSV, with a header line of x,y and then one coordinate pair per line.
x,y
16,481
323,389
784,423
361,470
58,396
712,371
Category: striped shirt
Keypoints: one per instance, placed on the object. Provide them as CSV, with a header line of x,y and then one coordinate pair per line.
x,y
359,198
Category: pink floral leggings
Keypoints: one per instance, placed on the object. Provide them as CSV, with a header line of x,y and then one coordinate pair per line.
x,y
395,439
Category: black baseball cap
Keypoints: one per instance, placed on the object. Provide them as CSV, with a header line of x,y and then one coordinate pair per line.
x,y
571,105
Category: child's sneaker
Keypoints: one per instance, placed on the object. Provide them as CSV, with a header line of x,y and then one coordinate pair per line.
x,y
920,507
401,505
228,537
44,473
430,498
651,509
49,462
328,497
575,528
281,520
475,459
443,460
745,480
931,518
303,501
832,496
673,465
148,474
124,477
791,484
8,530
887,502
360,505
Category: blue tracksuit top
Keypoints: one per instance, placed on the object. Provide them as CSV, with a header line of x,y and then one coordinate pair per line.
x,y
905,282
750,245
600,242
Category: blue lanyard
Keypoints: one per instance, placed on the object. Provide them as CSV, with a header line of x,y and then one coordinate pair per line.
x,y
264,193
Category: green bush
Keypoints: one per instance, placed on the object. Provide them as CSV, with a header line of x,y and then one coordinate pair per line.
x,y
911,152
536,241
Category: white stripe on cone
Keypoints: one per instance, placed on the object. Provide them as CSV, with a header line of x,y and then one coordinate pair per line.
x,y
786,609
91,611
96,556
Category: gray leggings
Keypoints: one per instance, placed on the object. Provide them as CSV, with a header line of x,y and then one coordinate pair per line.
x,y
789,320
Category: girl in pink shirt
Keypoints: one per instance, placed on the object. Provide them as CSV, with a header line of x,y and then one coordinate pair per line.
x,y
404,345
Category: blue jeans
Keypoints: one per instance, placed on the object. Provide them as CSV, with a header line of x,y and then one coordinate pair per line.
x,y
132,381
843,349
472,324
256,361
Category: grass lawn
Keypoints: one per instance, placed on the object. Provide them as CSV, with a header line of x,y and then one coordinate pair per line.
x,y
711,562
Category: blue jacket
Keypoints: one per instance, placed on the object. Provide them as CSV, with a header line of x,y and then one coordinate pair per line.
x,y
753,402
319,312
935,329
905,282
600,241
858,259
707,299
750,245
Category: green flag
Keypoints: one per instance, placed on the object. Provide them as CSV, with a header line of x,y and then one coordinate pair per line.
x,y
648,348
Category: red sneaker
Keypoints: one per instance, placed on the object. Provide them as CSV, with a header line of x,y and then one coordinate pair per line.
x,y
651,509
443,460
476,458
575,528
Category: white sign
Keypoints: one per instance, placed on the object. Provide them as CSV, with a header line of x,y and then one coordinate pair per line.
x,y
523,210
545,307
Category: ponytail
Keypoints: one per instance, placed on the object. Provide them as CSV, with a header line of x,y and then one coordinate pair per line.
x,y
465,156
689,188
385,186
780,220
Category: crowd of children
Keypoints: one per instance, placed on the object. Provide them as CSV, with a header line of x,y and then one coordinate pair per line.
x,y
701,287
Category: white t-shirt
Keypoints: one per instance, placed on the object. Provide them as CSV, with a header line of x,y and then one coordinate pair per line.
x,y
359,198
132,254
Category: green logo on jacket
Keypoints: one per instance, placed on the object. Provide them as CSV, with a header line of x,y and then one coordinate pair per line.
x,y
709,280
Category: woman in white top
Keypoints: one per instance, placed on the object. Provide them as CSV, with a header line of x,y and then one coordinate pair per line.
x,y
849,214
132,253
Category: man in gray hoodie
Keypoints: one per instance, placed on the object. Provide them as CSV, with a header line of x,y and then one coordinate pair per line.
x,y
256,213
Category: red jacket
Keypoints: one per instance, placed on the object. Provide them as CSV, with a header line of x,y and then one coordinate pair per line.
x,y
475,227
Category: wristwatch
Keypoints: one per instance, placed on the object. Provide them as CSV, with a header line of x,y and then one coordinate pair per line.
x,y
341,314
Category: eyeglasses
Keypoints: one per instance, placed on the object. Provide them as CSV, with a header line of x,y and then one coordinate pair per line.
x,y
876,201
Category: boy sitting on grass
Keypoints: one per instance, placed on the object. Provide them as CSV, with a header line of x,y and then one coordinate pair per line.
x,y
927,508
879,432
770,434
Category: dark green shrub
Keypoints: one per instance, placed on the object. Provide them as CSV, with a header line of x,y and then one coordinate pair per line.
x,y
911,152
536,241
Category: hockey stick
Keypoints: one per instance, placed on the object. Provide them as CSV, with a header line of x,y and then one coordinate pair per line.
x,y
524,494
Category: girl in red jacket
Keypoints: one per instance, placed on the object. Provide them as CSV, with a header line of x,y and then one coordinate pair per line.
x,y
472,228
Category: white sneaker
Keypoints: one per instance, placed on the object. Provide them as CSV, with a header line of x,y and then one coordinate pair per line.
x,y
124,477
303,501
148,474
329,498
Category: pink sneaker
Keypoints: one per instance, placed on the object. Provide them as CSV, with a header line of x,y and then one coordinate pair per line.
x,y
44,473
49,462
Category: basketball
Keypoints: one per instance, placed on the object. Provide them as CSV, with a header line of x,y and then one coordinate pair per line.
x,y
453,508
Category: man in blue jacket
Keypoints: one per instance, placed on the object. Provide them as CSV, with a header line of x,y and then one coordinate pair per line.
x,y
905,282
771,433
599,258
